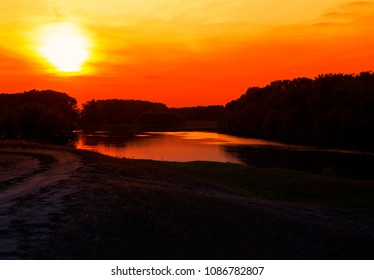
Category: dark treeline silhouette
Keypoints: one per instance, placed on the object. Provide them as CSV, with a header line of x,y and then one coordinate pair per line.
x,y
124,112
50,116
333,110
200,113
116,111
160,118
46,116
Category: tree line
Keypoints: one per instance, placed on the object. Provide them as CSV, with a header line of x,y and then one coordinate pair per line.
x,y
333,110
125,112
45,116
50,116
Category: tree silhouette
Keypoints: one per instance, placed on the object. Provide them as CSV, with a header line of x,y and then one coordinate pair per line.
x,y
331,110
38,115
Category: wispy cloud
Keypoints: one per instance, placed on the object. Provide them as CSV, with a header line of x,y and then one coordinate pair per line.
x,y
348,17
360,3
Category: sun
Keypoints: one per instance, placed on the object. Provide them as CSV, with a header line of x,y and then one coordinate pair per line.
x,y
64,46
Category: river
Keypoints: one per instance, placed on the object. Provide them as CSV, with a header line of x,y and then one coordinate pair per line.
x,y
168,146
183,146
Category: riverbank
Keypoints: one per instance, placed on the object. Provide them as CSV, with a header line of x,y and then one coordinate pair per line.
x,y
77,204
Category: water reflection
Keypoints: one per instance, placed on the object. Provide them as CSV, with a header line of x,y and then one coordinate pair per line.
x,y
169,146
208,146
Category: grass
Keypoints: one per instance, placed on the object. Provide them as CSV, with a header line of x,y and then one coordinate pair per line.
x,y
142,209
281,184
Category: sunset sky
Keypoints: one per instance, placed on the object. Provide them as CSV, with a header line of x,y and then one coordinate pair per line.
x,y
178,52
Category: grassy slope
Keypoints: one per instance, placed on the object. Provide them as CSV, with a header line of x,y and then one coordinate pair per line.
x,y
283,185
134,209
137,209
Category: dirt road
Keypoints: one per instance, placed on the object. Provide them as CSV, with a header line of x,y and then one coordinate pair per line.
x,y
32,187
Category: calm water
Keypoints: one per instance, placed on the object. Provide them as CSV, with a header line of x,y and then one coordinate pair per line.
x,y
169,146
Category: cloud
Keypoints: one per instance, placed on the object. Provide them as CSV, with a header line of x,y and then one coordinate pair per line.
x,y
325,24
336,14
360,3
353,15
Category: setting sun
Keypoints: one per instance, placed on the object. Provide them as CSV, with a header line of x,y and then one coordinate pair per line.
x,y
64,46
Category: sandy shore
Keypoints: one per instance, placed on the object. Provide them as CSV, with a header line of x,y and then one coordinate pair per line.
x,y
60,203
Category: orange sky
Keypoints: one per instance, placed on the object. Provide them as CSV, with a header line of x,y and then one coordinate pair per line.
x,y
181,53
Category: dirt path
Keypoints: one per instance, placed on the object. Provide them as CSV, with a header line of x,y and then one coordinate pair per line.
x,y
31,194
34,170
